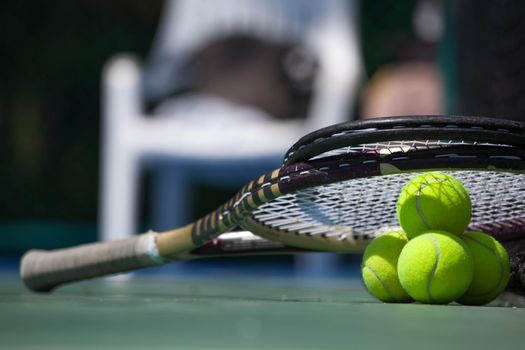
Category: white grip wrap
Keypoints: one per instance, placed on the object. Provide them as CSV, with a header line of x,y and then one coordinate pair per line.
x,y
42,271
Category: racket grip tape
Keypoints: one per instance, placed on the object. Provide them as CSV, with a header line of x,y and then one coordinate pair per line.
x,y
41,271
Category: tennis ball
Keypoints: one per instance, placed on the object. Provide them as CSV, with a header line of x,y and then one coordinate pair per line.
x,y
433,201
379,267
491,269
435,267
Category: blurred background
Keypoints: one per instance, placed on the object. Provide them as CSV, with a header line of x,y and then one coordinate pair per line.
x,y
113,114
50,92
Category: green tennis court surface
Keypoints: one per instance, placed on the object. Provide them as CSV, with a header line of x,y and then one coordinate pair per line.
x,y
214,312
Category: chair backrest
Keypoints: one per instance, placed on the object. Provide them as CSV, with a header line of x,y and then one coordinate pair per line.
x,y
327,28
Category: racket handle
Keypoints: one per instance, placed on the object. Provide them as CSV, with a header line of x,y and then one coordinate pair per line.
x,y
42,271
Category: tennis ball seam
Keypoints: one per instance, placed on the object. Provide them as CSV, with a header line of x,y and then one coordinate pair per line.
x,y
418,203
418,197
501,268
434,268
420,190
388,291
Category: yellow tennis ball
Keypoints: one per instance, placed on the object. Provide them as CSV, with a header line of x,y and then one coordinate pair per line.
x,y
491,269
435,267
379,267
433,201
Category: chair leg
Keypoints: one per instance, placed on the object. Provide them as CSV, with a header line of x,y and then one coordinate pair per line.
x,y
119,198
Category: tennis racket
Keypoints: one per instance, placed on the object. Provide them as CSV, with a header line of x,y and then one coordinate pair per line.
x,y
336,191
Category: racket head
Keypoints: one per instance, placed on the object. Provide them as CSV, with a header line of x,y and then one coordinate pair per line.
x,y
366,163
405,146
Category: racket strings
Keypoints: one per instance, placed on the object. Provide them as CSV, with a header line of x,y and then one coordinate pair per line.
x,y
500,204
402,150
355,209
359,208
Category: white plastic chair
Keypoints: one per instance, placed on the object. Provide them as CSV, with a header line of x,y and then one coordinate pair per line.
x,y
132,140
